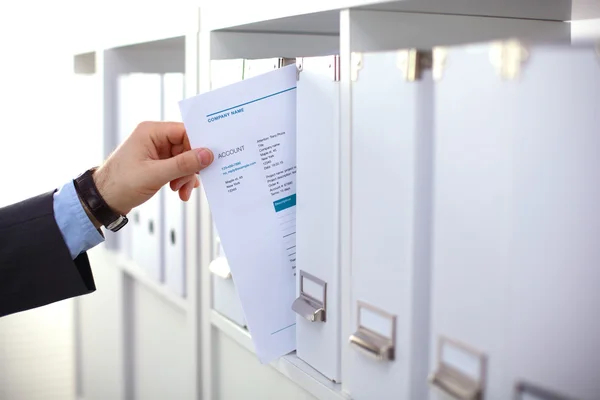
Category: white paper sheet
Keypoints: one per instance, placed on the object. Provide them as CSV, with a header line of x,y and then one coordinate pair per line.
x,y
251,188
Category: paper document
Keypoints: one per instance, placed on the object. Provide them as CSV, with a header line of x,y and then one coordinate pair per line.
x,y
251,188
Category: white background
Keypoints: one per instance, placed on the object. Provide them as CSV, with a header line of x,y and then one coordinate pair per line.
x,y
44,140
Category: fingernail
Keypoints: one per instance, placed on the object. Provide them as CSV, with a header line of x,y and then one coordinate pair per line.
x,y
179,185
205,156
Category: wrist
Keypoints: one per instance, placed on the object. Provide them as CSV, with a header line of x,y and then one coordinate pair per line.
x,y
107,190
93,219
95,205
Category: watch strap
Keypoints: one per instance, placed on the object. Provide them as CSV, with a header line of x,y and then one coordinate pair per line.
x,y
88,193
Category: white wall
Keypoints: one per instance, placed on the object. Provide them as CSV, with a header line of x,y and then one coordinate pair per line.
x,y
39,150
585,30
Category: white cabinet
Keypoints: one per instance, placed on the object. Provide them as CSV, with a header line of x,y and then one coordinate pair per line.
x,y
391,157
259,66
554,338
174,210
225,72
147,237
142,102
317,215
173,88
174,242
514,276
445,230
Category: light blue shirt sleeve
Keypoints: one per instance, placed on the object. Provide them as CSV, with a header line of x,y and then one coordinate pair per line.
x,y
77,230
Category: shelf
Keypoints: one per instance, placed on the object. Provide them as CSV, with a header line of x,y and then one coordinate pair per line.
x,y
161,290
293,17
255,45
106,26
586,9
585,30
157,56
377,26
371,31
162,39
290,365
323,17
101,28
85,63
109,257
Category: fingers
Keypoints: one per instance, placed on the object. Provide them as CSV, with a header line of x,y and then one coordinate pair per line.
x,y
180,182
172,133
177,150
186,143
186,163
168,138
186,191
185,186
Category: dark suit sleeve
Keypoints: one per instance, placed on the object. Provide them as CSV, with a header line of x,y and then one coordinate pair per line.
x,y
35,264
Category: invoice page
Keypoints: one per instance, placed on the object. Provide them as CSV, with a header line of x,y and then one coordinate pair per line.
x,y
251,189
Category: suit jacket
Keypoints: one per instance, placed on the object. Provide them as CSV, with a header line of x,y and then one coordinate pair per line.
x,y
35,264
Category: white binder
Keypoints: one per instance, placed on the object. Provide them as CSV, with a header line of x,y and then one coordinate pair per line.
x,y
173,90
225,72
147,238
391,190
260,66
174,227
515,275
225,298
126,110
317,216
126,114
174,242
143,103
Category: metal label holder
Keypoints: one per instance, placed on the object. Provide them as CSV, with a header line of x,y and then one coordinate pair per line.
x,y
334,67
508,57
220,267
310,308
527,390
356,64
285,61
371,343
455,382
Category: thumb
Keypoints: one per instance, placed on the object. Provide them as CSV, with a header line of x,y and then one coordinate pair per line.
x,y
184,164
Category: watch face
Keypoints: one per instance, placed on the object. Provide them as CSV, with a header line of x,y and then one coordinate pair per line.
x,y
118,223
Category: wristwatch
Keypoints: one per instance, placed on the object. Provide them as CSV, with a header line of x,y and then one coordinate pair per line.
x,y
88,193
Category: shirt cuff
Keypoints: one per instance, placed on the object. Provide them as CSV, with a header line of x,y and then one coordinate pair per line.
x,y
78,232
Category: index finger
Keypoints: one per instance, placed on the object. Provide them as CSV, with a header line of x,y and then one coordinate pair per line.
x,y
170,133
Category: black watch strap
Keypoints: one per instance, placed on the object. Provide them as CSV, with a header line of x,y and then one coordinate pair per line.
x,y
89,194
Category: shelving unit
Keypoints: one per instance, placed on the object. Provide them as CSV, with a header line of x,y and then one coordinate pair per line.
x,y
121,329
214,355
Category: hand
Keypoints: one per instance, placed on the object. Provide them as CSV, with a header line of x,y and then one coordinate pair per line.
x,y
155,154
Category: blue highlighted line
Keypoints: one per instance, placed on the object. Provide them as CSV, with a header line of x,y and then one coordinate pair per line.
x,y
283,329
252,101
285,203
